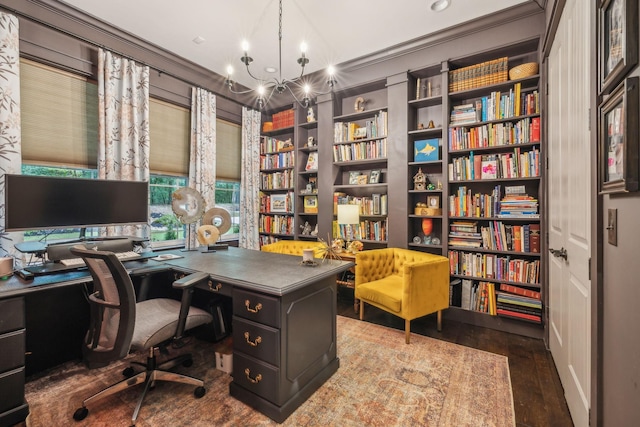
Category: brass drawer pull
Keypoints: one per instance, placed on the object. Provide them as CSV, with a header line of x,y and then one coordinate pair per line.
x,y
253,310
216,288
255,343
255,380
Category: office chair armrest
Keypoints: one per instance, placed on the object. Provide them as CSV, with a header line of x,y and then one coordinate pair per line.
x,y
190,280
97,300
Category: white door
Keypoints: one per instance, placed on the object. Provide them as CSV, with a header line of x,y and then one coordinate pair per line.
x,y
568,189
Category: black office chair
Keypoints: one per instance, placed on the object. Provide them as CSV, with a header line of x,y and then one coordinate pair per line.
x,y
119,324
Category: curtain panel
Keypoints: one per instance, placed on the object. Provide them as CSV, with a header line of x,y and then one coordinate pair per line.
x,y
250,180
10,139
202,155
123,125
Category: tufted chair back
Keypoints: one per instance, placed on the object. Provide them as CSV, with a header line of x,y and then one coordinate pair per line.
x,y
293,247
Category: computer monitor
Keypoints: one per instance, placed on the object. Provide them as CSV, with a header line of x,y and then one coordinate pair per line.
x,y
43,202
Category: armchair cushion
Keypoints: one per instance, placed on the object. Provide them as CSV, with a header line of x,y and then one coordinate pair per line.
x,y
294,247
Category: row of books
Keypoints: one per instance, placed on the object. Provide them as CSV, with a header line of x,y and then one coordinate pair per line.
x,y
464,203
376,149
277,180
274,145
365,230
519,164
479,75
265,239
493,266
523,131
483,297
478,296
280,203
283,119
377,204
498,236
275,224
351,131
498,105
277,160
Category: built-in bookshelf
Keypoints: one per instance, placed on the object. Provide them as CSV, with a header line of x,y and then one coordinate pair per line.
x,y
494,182
277,177
307,174
426,119
360,152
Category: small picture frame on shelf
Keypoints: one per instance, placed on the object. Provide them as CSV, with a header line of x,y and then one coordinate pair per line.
x,y
618,142
433,202
353,177
618,32
374,176
278,203
362,179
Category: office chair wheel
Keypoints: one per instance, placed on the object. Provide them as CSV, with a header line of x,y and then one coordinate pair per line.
x,y
187,362
198,393
81,414
128,372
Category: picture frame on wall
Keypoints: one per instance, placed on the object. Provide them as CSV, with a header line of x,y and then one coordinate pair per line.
x,y
618,140
618,39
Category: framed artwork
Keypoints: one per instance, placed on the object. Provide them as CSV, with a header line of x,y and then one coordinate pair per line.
x,y
278,203
353,177
618,39
374,176
618,139
362,179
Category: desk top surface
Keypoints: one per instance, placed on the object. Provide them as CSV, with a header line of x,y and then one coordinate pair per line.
x,y
271,273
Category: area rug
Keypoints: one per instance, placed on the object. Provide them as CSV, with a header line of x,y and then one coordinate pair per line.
x,y
381,382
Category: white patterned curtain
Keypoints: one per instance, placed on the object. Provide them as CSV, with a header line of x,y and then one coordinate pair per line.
x,y
250,179
123,126
10,148
202,154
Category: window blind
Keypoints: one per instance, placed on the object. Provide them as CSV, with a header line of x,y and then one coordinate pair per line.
x,y
228,150
169,128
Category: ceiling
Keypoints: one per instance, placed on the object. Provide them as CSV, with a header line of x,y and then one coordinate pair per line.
x,y
335,31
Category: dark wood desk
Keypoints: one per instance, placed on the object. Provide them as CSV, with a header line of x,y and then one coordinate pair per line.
x,y
291,308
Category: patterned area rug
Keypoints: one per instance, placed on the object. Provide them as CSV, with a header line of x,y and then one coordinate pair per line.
x,y
381,382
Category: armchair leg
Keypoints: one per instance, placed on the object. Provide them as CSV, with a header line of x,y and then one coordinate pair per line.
x,y
439,320
407,330
361,310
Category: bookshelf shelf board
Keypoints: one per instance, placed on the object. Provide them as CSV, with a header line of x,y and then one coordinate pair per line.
x,y
506,324
422,245
426,102
492,251
278,131
271,190
505,120
382,242
360,140
309,172
434,132
275,234
484,279
268,153
309,125
359,115
276,169
432,162
361,162
471,181
495,218
507,84
307,214
373,216
308,149
425,191
493,148
277,213
303,237
381,185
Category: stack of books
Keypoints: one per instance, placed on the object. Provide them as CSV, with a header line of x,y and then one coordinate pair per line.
x,y
518,204
463,114
465,234
520,303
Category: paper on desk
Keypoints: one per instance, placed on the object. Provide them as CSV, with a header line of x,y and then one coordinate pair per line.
x,y
165,257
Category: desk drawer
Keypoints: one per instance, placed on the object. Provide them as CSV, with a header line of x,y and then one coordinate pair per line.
x,y
11,389
12,314
12,354
256,376
216,287
256,340
257,307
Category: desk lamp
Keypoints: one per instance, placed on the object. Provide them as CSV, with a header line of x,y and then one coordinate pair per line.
x,y
349,215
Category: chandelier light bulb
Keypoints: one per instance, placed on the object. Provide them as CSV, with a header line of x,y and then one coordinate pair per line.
x,y
307,89
303,48
245,46
229,70
261,90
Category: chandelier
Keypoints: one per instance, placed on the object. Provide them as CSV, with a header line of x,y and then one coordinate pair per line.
x,y
267,88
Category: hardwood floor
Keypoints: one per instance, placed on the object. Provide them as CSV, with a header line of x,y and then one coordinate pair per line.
x,y
537,392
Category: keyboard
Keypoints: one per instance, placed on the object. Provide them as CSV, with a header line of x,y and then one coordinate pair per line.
x,y
79,262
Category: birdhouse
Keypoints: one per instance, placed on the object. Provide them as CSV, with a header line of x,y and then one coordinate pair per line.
x,y
419,180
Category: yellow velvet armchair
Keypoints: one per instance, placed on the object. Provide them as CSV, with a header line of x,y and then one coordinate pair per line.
x,y
294,247
406,283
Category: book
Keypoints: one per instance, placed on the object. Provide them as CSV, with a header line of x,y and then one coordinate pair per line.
x,y
426,150
519,291
534,238
312,161
535,129
517,315
455,293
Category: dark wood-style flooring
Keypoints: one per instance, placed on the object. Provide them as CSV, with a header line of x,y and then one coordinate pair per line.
x,y
537,392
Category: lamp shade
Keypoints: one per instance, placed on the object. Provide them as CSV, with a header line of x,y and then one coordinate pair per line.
x,y
348,214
